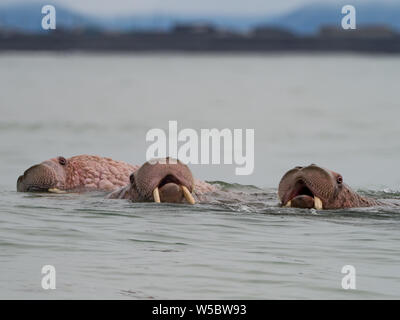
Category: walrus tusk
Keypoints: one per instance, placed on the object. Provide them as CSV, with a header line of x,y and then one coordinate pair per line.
x,y
188,195
55,190
156,195
317,203
288,204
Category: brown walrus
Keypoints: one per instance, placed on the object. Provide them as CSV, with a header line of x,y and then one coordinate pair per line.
x,y
163,180
319,188
78,173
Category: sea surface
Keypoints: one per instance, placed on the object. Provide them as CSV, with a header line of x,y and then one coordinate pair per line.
x,y
338,111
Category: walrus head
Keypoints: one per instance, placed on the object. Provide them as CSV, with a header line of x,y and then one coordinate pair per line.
x,y
162,180
49,175
319,188
77,174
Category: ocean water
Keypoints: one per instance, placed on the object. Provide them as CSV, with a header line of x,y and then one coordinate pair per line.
x,y
339,111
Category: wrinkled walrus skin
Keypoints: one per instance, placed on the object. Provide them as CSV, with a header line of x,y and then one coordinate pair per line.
x,y
319,188
163,180
78,173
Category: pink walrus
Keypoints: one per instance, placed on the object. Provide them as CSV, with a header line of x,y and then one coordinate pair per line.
x,y
78,173
164,181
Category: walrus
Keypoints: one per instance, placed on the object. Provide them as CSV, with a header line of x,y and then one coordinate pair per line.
x,y
78,173
163,180
319,188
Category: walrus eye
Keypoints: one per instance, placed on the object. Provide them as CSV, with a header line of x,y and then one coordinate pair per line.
x,y
339,180
62,161
132,178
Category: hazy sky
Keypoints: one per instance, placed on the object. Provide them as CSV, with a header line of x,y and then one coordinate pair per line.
x,y
231,7
226,7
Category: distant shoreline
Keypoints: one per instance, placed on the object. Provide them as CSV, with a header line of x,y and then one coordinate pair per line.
x,y
197,43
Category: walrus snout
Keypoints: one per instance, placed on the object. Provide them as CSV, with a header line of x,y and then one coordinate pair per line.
x,y
303,201
164,180
171,192
171,189
307,187
38,178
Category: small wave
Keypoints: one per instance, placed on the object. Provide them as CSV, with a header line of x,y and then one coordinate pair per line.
x,y
385,193
235,186
233,198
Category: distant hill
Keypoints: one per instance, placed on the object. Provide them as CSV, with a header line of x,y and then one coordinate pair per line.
x,y
306,19
309,18
28,17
